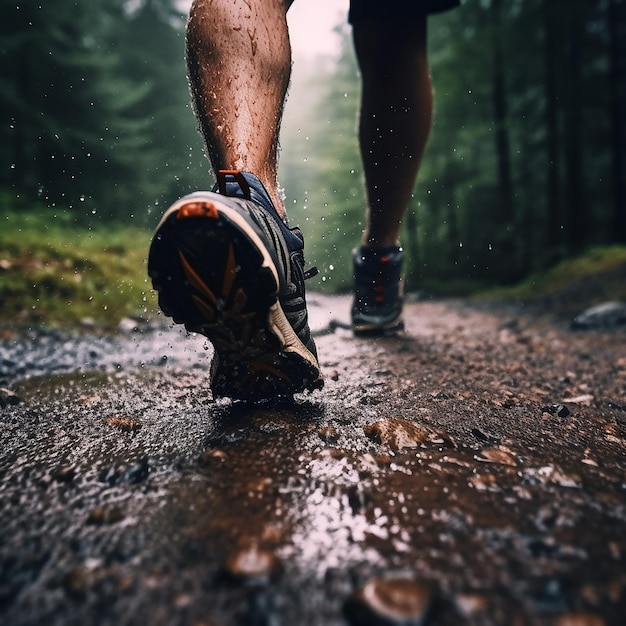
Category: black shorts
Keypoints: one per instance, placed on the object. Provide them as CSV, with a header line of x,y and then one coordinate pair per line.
x,y
396,9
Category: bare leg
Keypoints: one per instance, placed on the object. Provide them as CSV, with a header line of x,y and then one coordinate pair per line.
x,y
239,61
396,115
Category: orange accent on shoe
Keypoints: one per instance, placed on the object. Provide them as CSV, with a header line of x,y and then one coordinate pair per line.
x,y
239,178
203,208
266,367
195,280
205,308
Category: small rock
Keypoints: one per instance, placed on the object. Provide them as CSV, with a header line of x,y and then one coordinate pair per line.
x,y
486,437
605,315
253,565
556,409
441,437
389,602
213,456
328,434
551,474
131,474
585,399
125,424
579,619
484,482
497,455
138,472
105,515
64,474
8,398
128,325
469,604
397,433
588,461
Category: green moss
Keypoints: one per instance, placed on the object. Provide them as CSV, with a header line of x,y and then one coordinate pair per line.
x,y
595,261
55,271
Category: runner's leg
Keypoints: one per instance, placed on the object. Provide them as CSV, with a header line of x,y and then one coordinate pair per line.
x,y
395,119
239,63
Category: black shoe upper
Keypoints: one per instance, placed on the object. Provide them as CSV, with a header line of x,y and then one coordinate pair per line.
x,y
285,245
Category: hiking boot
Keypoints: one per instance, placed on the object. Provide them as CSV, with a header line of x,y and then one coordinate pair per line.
x,y
378,291
226,265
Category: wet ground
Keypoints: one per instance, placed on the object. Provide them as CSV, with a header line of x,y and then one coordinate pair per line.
x,y
472,471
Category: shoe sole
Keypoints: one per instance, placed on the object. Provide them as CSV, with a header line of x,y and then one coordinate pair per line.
x,y
371,329
214,274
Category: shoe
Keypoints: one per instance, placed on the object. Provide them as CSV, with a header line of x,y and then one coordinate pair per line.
x,y
378,291
225,265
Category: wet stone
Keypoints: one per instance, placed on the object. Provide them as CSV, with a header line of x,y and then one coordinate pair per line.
x,y
64,474
8,398
125,424
397,433
389,602
105,515
469,604
328,434
253,565
213,456
579,619
131,474
485,436
605,315
585,399
497,455
556,409
551,474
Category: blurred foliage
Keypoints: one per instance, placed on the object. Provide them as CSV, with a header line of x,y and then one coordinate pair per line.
x,y
95,106
54,270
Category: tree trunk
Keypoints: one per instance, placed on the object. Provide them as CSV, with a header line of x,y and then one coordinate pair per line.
x,y
506,223
617,71
553,231
577,224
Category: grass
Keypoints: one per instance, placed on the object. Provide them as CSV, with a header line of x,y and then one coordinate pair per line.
x,y
564,291
56,272
566,275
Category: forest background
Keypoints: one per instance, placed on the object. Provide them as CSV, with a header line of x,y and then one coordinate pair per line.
x,y
525,166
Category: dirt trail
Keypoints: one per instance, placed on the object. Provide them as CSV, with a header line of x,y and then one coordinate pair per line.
x,y
471,471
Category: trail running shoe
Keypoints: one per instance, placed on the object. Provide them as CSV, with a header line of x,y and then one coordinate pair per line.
x,y
378,291
226,266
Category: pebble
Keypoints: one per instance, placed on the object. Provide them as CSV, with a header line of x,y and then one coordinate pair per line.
x,y
579,619
469,604
397,433
551,474
125,424
129,474
497,455
105,515
253,565
484,436
328,434
8,398
64,474
390,602
556,409
605,315
586,399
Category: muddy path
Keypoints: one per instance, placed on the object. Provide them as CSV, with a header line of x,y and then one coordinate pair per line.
x,y
472,471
